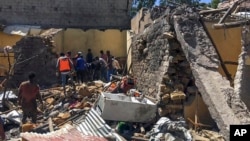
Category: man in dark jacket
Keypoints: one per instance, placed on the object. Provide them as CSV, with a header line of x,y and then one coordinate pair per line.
x,y
80,69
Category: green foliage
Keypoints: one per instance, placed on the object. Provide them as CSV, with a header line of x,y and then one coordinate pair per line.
x,y
189,2
204,5
163,2
215,3
144,3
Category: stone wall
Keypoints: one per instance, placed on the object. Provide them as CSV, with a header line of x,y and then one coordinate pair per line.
x,y
34,53
150,57
86,14
160,67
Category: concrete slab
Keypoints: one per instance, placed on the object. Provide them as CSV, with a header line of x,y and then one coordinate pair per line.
x,y
119,107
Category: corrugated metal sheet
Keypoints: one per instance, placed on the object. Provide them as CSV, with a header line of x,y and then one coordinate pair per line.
x,y
64,134
91,126
94,125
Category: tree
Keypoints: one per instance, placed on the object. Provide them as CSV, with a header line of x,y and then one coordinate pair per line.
x,y
215,3
163,2
143,3
189,2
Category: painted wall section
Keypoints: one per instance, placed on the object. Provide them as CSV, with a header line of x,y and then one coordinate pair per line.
x,y
196,105
228,43
78,40
6,40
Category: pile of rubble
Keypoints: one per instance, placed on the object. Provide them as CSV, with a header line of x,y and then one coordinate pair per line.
x,y
97,111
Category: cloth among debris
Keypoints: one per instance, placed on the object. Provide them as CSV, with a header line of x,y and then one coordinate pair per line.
x,y
167,128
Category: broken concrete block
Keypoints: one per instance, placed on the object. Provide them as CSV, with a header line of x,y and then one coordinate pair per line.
x,y
165,98
177,95
164,89
58,120
83,90
98,83
168,35
92,89
65,115
108,104
50,100
27,127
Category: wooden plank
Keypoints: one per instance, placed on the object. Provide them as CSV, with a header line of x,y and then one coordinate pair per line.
x,y
231,24
138,138
212,11
50,124
229,11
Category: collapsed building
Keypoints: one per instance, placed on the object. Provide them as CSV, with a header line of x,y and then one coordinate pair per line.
x,y
176,62
175,55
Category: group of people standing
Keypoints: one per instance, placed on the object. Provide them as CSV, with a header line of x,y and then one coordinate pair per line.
x,y
92,68
108,66
99,67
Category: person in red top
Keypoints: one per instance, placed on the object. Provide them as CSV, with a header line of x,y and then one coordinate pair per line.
x,y
28,92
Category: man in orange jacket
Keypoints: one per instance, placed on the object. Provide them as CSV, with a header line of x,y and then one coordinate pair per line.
x,y
64,66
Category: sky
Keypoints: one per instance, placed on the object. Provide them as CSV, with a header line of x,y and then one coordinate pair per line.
x,y
205,1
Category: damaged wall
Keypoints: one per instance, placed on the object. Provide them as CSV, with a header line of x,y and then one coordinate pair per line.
x,y
85,14
34,53
202,56
163,72
6,40
228,44
78,40
191,61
